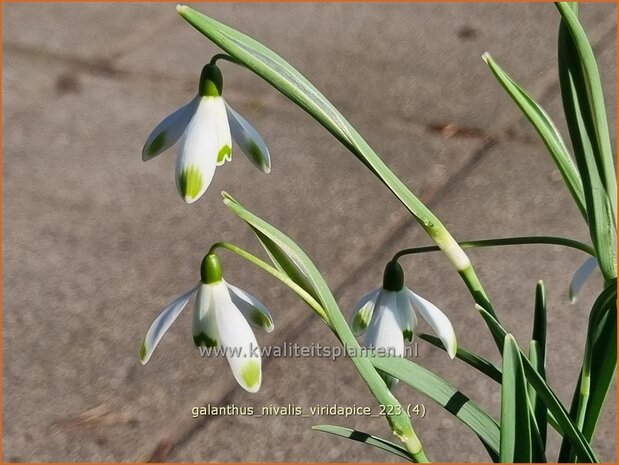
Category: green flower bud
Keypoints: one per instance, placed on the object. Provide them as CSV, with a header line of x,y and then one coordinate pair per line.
x,y
393,278
211,81
210,270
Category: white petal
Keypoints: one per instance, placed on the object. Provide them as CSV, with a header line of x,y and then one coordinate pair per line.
x,y
204,326
437,321
249,140
238,339
406,315
251,308
204,145
169,130
580,277
384,331
362,314
162,323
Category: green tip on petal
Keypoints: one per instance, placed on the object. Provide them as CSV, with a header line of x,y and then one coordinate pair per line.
x,y
190,183
250,374
362,318
210,269
143,352
156,144
203,340
258,157
260,319
454,349
408,335
211,81
393,277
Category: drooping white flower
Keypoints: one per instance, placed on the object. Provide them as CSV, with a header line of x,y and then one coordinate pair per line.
x,y
205,127
388,315
581,275
222,317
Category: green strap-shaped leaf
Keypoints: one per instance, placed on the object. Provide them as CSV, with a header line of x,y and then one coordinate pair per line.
x,y
445,395
585,114
554,405
365,438
278,244
537,357
470,358
590,97
515,421
598,368
546,129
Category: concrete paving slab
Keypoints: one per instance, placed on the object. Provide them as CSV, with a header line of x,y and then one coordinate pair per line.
x,y
408,36
94,31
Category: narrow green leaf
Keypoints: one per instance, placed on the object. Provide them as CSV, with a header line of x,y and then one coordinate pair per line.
x,y
470,358
546,129
598,368
537,357
538,411
284,260
397,418
365,438
590,98
554,405
515,421
540,320
584,112
603,367
445,395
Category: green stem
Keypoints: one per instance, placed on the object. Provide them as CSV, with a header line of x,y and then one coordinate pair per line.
x,y
277,274
342,331
225,57
522,240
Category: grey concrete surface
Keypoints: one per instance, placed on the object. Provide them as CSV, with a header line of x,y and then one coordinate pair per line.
x,y
95,242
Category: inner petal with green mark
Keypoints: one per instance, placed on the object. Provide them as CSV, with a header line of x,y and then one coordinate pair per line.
x,y
190,182
250,374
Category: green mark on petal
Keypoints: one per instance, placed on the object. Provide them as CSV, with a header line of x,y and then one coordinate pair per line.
x,y
250,374
157,143
203,339
224,154
143,350
408,335
255,153
190,182
260,319
362,318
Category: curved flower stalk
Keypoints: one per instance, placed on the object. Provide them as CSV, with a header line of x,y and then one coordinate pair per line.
x,y
205,127
388,314
222,317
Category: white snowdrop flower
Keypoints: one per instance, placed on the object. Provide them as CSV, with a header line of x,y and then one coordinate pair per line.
x,y
205,127
388,315
222,317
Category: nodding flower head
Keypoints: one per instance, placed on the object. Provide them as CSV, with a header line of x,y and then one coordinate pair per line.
x,y
389,316
222,317
205,127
